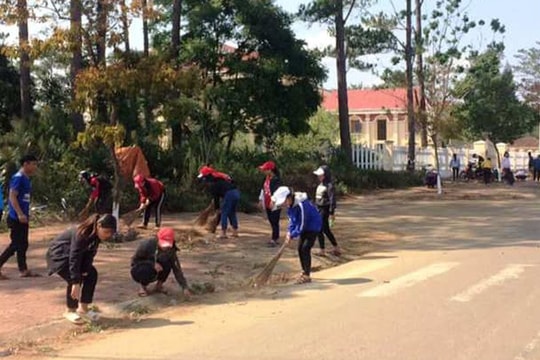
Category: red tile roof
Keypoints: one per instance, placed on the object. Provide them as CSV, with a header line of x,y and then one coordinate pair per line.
x,y
368,99
527,142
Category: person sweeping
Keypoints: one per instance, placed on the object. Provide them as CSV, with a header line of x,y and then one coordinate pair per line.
x,y
326,204
270,184
71,256
154,260
151,194
101,196
304,223
220,185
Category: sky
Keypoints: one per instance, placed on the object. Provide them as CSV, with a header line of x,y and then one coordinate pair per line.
x,y
520,17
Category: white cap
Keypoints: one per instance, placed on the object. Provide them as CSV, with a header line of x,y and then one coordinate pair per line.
x,y
319,171
280,195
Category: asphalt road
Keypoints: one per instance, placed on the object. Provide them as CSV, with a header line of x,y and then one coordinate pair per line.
x,y
463,284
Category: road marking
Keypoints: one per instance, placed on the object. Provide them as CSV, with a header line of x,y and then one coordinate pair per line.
x,y
354,269
529,348
510,272
408,280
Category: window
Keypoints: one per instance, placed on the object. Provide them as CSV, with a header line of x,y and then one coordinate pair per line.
x,y
356,126
381,130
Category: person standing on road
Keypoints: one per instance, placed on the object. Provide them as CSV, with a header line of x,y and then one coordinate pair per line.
x,y
151,194
304,223
508,175
71,256
486,167
537,168
20,188
153,261
220,185
270,184
531,164
101,196
326,205
455,165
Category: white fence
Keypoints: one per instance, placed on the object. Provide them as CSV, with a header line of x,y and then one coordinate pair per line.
x,y
394,158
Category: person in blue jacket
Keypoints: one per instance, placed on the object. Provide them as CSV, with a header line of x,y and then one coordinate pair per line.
x,y
304,223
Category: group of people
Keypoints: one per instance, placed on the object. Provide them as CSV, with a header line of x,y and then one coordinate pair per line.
x,y
71,254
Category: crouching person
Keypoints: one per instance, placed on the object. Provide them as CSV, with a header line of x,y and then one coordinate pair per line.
x,y
304,223
153,261
71,256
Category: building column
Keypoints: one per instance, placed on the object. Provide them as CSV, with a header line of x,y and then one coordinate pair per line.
x,y
395,118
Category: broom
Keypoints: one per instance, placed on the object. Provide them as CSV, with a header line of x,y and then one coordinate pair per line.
x,y
263,277
131,216
202,219
213,221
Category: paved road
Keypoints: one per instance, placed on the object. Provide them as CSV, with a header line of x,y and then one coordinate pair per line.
x,y
464,286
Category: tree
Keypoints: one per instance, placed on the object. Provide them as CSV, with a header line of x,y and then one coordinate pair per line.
x,y
419,43
490,105
24,59
76,57
10,101
528,72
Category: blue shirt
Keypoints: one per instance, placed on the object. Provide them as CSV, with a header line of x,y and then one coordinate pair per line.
x,y
20,183
303,217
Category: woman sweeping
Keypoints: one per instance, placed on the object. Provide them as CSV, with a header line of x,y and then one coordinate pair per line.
x,y
304,223
71,256
220,185
326,204
270,184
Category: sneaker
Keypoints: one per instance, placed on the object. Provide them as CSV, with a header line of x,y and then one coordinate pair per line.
x,y
89,316
74,318
272,244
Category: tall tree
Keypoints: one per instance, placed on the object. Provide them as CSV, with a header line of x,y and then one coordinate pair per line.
x,y
24,59
175,32
528,72
490,104
10,100
409,58
76,57
336,14
419,53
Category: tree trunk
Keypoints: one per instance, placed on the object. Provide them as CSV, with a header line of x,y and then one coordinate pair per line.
x,y
410,95
437,164
146,43
76,59
343,105
125,25
419,42
101,45
24,49
175,36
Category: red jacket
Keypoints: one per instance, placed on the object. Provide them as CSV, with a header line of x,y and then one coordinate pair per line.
x,y
152,189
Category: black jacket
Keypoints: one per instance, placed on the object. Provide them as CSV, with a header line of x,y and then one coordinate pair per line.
x,y
218,188
275,182
68,251
148,251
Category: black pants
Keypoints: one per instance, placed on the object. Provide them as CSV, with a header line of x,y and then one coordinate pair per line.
x,y
104,204
19,244
273,218
145,273
325,215
487,176
307,239
88,287
536,174
154,206
455,173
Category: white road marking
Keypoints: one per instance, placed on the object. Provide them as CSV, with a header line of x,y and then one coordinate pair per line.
x,y
408,280
529,348
510,272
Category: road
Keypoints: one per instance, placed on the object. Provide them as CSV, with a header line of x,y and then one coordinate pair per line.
x,y
463,284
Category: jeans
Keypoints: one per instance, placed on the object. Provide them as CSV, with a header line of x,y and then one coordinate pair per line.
x,y
273,218
455,173
88,286
19,244
228,209
307,239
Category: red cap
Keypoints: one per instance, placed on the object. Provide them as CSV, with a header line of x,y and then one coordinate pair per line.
x,y
205,171
267,166
138,179
165,237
